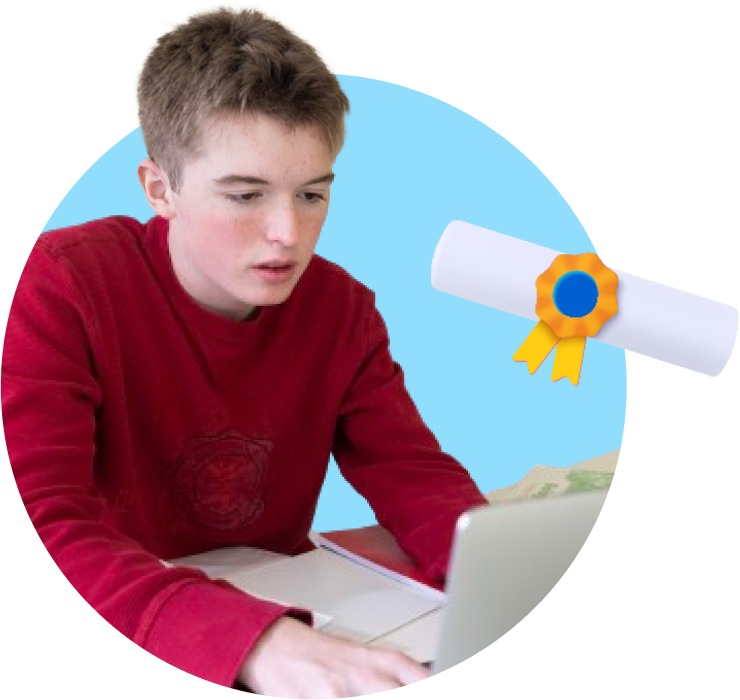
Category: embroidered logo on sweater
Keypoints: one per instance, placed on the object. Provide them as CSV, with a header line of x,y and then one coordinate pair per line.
x,y
219,480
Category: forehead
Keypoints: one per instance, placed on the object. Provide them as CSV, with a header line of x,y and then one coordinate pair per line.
x,y
258,134
257,146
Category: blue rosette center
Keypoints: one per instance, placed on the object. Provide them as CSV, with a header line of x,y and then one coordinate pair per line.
x,y
575,294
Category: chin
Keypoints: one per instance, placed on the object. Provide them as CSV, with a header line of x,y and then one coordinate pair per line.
x,y
272,297
259,293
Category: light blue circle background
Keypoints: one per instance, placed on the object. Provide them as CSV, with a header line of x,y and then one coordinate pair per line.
x,y
410,165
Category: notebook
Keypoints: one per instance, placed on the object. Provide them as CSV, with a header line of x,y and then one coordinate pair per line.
x,y
376,548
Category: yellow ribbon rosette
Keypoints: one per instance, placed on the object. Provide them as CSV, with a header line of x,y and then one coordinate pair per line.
x,y
576,296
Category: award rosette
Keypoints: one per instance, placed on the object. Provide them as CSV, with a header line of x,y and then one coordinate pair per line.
x,y
576,296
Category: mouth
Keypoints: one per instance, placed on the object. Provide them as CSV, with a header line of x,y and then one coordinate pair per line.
x,y
276,265
275,270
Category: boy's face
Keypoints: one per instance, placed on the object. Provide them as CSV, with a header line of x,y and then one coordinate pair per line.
x,y
249,213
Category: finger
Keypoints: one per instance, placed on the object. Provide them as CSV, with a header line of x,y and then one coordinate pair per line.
x,y
405,669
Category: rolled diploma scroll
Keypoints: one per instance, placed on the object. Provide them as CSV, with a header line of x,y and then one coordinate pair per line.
x,y
500,271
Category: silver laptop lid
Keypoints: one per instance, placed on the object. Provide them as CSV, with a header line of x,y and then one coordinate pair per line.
x,y
505,560
512,563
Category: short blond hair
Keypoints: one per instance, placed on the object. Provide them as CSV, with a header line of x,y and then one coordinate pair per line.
x,y
226,62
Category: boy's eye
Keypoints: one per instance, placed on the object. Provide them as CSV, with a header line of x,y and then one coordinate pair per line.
x,y
247,197
311,197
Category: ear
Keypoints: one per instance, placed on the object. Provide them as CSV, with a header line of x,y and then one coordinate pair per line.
x,y
157,188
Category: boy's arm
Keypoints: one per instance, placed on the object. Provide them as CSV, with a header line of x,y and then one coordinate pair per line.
x,y
384,449
49,402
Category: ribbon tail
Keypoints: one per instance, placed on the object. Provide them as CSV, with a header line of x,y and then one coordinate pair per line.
x,y
536,347
568,359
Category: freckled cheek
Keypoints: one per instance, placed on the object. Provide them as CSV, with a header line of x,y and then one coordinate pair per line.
x,y
312,224
233,226
235,241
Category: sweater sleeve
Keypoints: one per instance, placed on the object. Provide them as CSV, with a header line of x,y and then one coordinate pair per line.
x,y
50,399
387,453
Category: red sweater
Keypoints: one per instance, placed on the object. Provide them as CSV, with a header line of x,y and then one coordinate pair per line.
x,y
142,427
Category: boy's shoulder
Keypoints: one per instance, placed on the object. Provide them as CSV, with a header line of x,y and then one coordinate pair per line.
x,y
116,230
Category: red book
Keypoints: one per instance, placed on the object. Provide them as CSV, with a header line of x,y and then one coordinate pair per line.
x,y
375,548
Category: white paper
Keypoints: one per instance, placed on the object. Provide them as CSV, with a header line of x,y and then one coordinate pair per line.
x,y
363,604
228,562
667,324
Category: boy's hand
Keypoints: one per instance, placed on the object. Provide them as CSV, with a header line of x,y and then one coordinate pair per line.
x,y
291,660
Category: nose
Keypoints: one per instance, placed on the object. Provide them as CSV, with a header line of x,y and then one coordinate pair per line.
x,y
281,226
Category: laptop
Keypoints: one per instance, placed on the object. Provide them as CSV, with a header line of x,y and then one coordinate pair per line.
x,y
623,581
505,559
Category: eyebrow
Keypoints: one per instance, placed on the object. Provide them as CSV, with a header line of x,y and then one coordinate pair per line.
x,y
251,180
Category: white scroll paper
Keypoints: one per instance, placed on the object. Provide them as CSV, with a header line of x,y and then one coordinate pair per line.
x,y
500,271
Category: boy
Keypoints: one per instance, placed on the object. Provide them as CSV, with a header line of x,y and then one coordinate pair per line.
x,y
178,386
